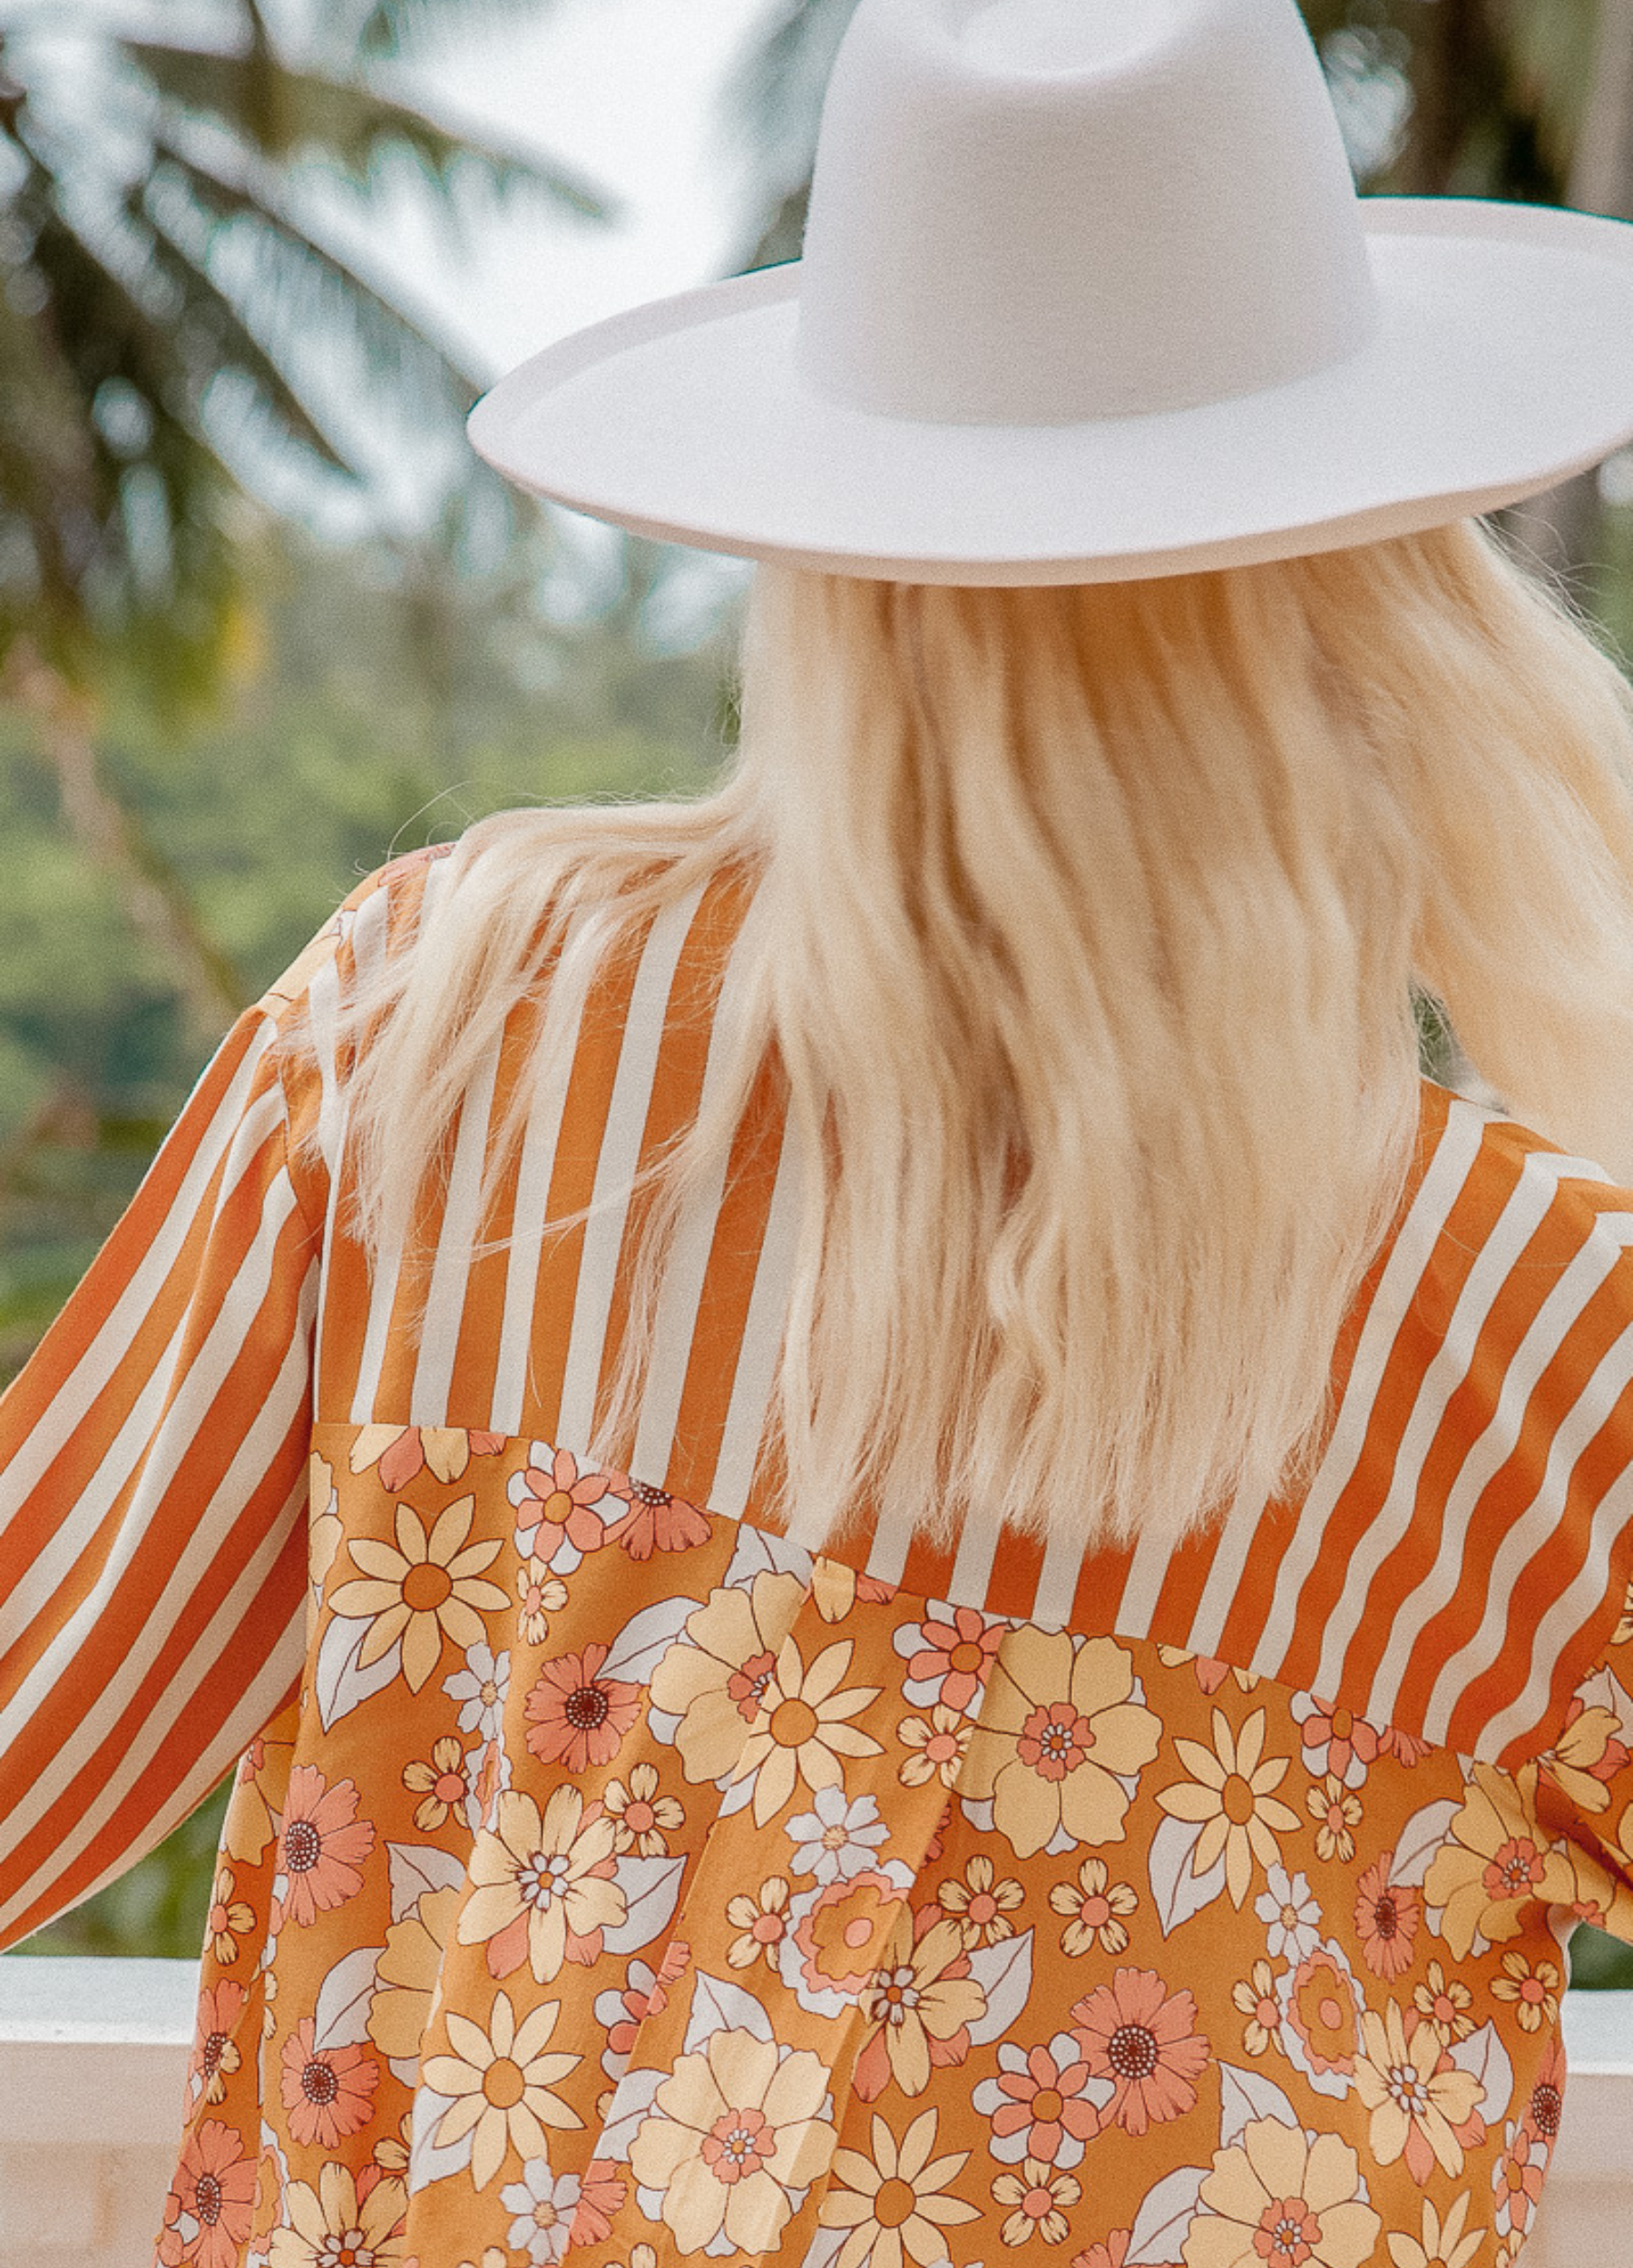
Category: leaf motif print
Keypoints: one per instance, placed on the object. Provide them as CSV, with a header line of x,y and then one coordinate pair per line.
x,y
651,1889
431,2161
1483,2055
1161,2224
1005,1973
718,2005
1420,1839
646,1638
1244,2095
1176,1893
1282,2194
341,2017
340,1682
415,1868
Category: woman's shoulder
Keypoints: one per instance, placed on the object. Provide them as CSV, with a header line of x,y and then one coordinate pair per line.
x,y
1482,1174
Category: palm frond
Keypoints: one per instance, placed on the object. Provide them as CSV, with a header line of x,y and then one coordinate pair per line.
x,y
207,311
283,111
308,291
393,27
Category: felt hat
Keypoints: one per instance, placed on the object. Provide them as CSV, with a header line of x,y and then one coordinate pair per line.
x,y
1087,294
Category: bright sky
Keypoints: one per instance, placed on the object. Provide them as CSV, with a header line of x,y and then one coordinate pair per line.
x,y
628,94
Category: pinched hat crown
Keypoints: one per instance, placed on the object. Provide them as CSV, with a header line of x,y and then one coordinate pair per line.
x,y
1198,236
1087,295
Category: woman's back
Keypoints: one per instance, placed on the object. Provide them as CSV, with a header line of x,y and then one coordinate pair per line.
x,y
723,1899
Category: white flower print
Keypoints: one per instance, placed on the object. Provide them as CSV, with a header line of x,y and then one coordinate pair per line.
x,y
834,1839
543,2204
480,1690
1291,1915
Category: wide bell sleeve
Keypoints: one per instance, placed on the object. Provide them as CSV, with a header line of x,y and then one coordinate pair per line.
x,y
153,1457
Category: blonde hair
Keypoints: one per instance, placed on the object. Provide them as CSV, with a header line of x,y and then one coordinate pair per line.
x,y
1084,937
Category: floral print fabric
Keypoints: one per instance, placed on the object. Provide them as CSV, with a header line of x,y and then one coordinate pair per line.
x,y
627,1886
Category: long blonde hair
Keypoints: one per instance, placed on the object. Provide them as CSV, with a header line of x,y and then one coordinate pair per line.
x,y
1085,935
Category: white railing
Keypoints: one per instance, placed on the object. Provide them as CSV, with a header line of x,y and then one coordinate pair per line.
x,y
93,2054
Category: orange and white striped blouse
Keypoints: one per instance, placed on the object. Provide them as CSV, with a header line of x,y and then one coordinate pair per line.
x,y
609,1877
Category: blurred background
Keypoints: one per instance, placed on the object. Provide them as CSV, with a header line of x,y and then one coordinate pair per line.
x,y
265,621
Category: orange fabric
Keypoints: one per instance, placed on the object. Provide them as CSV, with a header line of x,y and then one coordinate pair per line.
x,y
608,1878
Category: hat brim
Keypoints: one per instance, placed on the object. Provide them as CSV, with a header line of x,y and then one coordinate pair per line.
x,y
1502,362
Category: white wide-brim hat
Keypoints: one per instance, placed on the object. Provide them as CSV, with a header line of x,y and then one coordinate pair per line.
x,y
1088,295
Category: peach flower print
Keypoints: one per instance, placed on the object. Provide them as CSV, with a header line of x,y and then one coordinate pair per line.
x,y
1547,2093
425,1589
322,1845
328,2092
1623,1635
1044,2104
1144,2040
919,2004
1443,2002
402,1452
1230,1795
538,1597
333,2226
954,1656
1281,2199
216,2185
1039,2199
1440,2243
980,1903
804,1727
215,2053
1322,2011
1098,1908
229,1918
553,1503
1336,1740
577,1717
935,1746
1588,1754
1534,1988
1254,1998
1519,2177
544,1888
645,1994
1386,1921
655,1521
761,1917
715,1680
732,2130
645,1819
837,1940
406,1971
441,1784
601,2194
1058,1735
1421,2105
1336,1813
503,2085
893,2199
1493,1867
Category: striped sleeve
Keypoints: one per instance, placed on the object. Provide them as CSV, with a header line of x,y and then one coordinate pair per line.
x,y
152,1481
